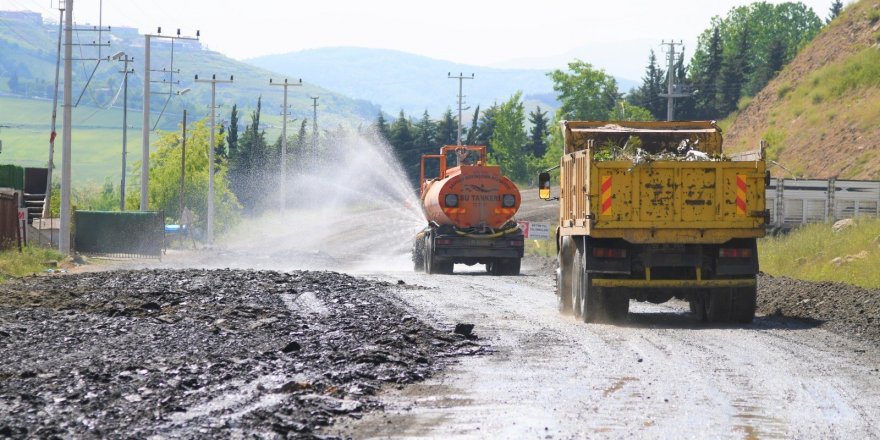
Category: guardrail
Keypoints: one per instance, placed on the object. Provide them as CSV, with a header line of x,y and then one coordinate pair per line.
x,y
797,202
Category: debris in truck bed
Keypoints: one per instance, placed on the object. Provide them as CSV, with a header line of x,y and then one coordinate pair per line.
x,y
640,154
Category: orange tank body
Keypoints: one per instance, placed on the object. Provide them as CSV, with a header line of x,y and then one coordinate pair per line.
x,y
469,196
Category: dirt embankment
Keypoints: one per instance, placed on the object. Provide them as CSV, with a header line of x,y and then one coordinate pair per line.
x,y
196,354
845,309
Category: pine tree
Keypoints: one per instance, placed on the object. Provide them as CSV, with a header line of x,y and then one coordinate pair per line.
x,y
648,94
447,129
232,137
836,8
734,72
487,126
538,134
402,137
425,134
249,168
471,138
382,128
706,79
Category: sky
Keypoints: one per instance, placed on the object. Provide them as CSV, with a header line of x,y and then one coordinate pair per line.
x,y
614,35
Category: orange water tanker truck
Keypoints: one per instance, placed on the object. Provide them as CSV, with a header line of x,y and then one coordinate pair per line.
x,y
469,210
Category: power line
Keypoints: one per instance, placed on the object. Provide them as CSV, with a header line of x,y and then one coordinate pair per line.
x,y
211,147
283,174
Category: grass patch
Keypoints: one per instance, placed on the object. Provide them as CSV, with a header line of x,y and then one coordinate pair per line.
x,y
873,15
541,248
31,260
783,91
744,102
808,252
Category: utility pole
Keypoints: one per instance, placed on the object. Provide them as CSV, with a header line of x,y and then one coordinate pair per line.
x,y
460,79
673,90
145,134
283,174
182,163
213,82
50,165
125,71
314,123
66,130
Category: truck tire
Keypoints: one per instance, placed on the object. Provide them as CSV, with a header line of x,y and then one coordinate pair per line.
x,y
745,301
418,255
719,305
588,306
697,303
430,263
564,271
616,304
510,266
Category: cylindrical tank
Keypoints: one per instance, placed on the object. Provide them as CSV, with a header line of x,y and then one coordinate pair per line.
x,y
471,196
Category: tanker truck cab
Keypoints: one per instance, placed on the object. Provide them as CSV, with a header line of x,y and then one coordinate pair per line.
x,y
469,209
652,211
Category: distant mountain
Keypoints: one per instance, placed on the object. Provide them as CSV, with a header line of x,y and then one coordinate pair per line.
x,y
398,80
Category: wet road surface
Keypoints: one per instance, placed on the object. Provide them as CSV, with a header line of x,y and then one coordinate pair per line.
x,y
660,375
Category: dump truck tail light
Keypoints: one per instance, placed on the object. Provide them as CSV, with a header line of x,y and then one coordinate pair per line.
x,y
735,253
609,252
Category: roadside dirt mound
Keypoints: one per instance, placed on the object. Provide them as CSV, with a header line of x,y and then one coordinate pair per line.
x,y
204,354
819,137
842,308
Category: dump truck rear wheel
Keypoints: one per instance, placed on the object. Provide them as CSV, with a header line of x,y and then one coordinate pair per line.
x,y
697,304
577,284
719,305
564,262
744,304
588,306
418,255
511,266
616,304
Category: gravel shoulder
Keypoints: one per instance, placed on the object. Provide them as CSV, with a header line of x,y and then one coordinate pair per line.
x,y
205,353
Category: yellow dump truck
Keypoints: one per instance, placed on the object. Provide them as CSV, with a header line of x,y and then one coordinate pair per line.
x,y
653,210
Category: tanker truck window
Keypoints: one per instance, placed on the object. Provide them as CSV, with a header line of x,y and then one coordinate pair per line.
x,y
432,168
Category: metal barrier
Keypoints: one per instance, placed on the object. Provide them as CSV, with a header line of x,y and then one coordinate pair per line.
x,y
797,202
119,234
9,225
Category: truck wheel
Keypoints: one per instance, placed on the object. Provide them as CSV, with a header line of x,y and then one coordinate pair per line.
x,y
418,255
443,267
510,266
577,283
744,303
719,305
697,304
496,267
429,256
564,261
589,303
616,304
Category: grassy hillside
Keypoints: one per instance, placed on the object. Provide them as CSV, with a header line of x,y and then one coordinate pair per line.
x,y
820,114
27,68
817,253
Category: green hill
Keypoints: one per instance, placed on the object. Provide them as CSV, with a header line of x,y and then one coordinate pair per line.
x,y
27,69
820,115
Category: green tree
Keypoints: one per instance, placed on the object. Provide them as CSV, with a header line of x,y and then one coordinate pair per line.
x,y
487,126
584,92
734,73
471,137
250,175
706,76
510,143
647,95
538,133
382,128
447,129
232,137
425,134
164,191
836,8
402,137
628,112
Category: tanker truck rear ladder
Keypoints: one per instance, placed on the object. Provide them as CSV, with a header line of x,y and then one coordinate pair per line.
x,y
468,218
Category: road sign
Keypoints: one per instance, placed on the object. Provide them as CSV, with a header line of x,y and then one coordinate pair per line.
x,y
535,230
22,214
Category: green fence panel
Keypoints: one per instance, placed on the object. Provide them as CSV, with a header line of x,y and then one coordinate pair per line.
x,y
119,233
12,176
